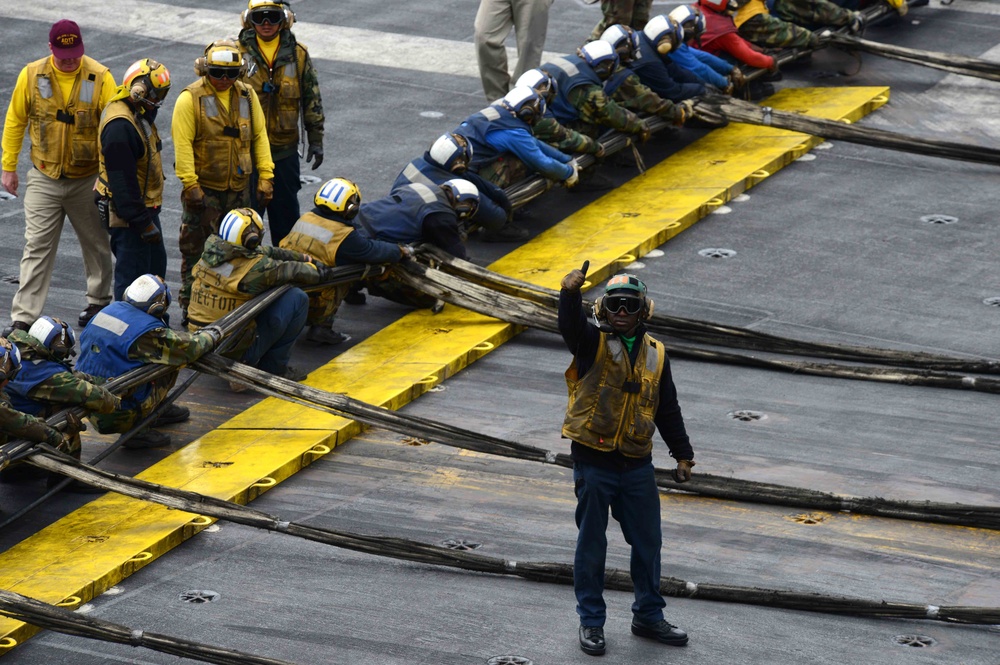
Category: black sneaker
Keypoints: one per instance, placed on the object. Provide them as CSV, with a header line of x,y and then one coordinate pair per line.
x,y
87,314
171,415
661,631
592,640
326,335
507,233
148,438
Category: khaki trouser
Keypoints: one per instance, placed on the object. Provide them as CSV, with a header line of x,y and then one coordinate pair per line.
x,y
495,18
47,203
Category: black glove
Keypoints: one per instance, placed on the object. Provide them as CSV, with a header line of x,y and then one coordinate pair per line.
x,y
315,155
327,273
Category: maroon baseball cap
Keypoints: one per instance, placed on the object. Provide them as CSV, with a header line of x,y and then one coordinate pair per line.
x,y
65,39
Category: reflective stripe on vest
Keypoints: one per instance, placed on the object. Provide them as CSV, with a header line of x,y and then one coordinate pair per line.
x,y
570,72
222,162
478,125
281,106
64,147
614,404
317,236
106,340
215,291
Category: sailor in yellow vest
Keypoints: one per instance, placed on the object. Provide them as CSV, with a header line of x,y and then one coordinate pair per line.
x,y
234,268
220,140
288,88
620,392
328,233
130,183
59,100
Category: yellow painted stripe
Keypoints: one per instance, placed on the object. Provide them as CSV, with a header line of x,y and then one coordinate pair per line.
x,y
103,542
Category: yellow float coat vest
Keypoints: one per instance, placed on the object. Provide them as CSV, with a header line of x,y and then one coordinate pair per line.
x,y
613,405
149,167
64,133
282,105
317,236
216,289
748,11
222,142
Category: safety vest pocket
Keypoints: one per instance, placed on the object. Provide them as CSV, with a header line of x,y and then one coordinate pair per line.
x,y
83,152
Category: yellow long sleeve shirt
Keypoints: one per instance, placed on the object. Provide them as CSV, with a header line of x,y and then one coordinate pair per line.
x,y
16,122
182,129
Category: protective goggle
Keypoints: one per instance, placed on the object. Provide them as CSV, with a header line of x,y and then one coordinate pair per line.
x,y
262,16
224,72
631,304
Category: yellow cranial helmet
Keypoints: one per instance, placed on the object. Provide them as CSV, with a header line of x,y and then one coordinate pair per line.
x,y
222,59
147,81
242,226
259,12
339,195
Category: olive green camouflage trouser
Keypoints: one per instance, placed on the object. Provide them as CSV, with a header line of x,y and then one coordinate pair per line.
x,y
125,419
633,13
197,225
770,31
812,13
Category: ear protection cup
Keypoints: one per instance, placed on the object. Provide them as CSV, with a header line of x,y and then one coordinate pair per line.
x,y
10,360
647,311
138,91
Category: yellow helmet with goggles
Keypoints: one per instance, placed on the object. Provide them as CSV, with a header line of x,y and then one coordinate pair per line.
x,y
147,82
259,12
222,59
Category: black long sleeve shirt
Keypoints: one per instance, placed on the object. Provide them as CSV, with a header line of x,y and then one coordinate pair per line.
x,y
122,148
582,338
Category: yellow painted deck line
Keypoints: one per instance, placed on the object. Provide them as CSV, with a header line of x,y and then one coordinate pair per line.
x,y
107,540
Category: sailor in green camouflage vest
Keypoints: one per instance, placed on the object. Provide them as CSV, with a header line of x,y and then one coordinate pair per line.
x,y
288,88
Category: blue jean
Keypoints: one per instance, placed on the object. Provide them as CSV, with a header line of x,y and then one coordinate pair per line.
x,y
283,210
277,328
134,258
635,503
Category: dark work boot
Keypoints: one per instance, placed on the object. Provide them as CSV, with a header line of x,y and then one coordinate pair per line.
x,y
661,631
15,325
592,640
147,438
89,313
326,335
172,414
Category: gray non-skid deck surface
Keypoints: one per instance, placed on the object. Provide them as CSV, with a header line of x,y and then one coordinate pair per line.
x,y
829,249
